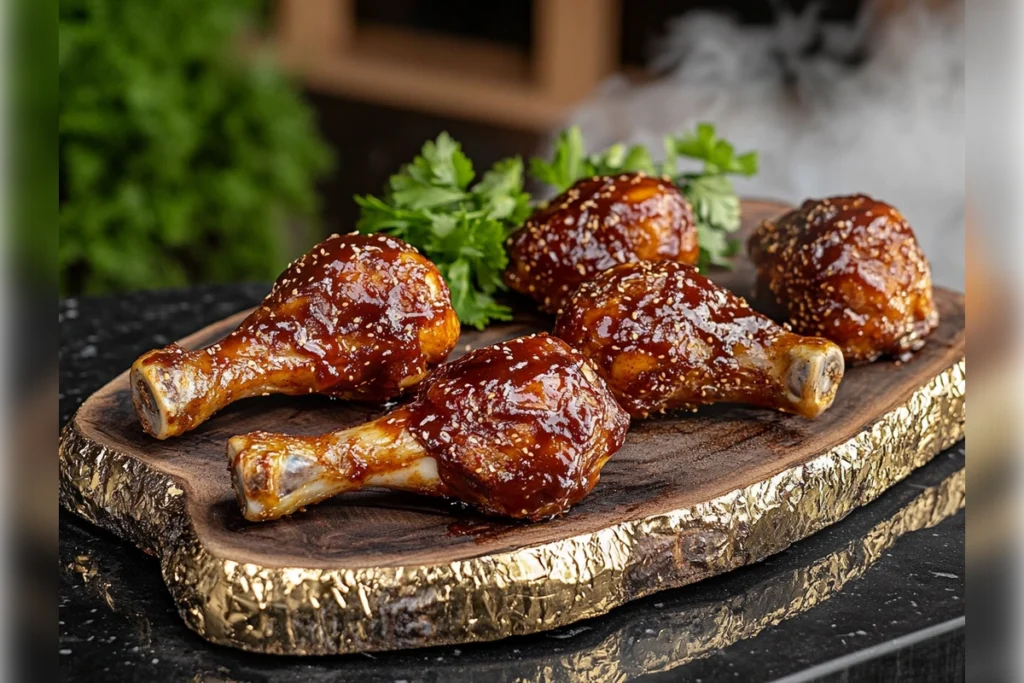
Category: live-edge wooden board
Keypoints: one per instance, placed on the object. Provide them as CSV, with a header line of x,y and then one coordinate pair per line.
x,y
687,497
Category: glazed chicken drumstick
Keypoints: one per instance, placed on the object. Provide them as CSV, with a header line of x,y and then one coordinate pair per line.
x,y
664,337
848,269
598,223
520,429
359,316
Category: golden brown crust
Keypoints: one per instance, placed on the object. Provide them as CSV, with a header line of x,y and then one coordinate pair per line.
x,y
598,223
848,269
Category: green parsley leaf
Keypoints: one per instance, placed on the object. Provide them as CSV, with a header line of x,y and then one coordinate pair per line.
x,y
441,163
567,166
718,155
475,307
715,246
501,192
620,159
709,190
569,163
432,204
714,201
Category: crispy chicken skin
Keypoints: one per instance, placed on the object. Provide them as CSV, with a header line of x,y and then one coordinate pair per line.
x,y
520,429
848,269
359,316
665,337
598,223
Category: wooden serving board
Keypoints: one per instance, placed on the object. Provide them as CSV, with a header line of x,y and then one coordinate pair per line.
x,y
687,497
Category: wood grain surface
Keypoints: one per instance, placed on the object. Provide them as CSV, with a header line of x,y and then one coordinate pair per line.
x,y
667,463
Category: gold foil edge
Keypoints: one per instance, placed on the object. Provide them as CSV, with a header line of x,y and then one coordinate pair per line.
x,y
297,610
698,631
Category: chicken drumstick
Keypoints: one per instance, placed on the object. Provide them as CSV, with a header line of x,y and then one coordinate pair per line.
x,y
598,223
520,429
359,316
663,336
848,269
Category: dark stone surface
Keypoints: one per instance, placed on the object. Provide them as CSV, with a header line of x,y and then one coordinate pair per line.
x,y
878,614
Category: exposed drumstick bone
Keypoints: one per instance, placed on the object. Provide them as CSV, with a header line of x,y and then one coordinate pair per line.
x,y
361,317
520,429
665,337
276,474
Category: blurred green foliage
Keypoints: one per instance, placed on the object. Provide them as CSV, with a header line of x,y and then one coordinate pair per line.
x,y
180,160
32,93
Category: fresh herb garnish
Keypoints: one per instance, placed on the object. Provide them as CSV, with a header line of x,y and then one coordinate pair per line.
x,y
709,190
433,205
569,163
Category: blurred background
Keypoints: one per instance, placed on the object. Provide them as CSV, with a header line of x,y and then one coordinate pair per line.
x,y
203,141
207,141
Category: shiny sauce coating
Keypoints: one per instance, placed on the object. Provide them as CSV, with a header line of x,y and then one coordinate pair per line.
x,y
519,429
367,313
848,269
359,316
665,337
598,223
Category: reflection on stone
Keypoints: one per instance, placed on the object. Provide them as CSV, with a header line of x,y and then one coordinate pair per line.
x,y
676,638
297,610
660,640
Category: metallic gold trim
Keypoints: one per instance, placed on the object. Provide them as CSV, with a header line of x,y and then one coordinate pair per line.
x,y
665,637
299,610
683,636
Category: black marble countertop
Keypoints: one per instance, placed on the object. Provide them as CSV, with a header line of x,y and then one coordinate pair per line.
x,y
876,597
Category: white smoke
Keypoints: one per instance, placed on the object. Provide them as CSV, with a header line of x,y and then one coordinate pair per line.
x,y
892,126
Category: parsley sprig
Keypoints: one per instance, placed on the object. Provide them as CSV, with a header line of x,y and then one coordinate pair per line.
x,y
709,189
433,204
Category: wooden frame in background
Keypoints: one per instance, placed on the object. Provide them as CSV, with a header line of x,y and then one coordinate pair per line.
x,y
575,46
